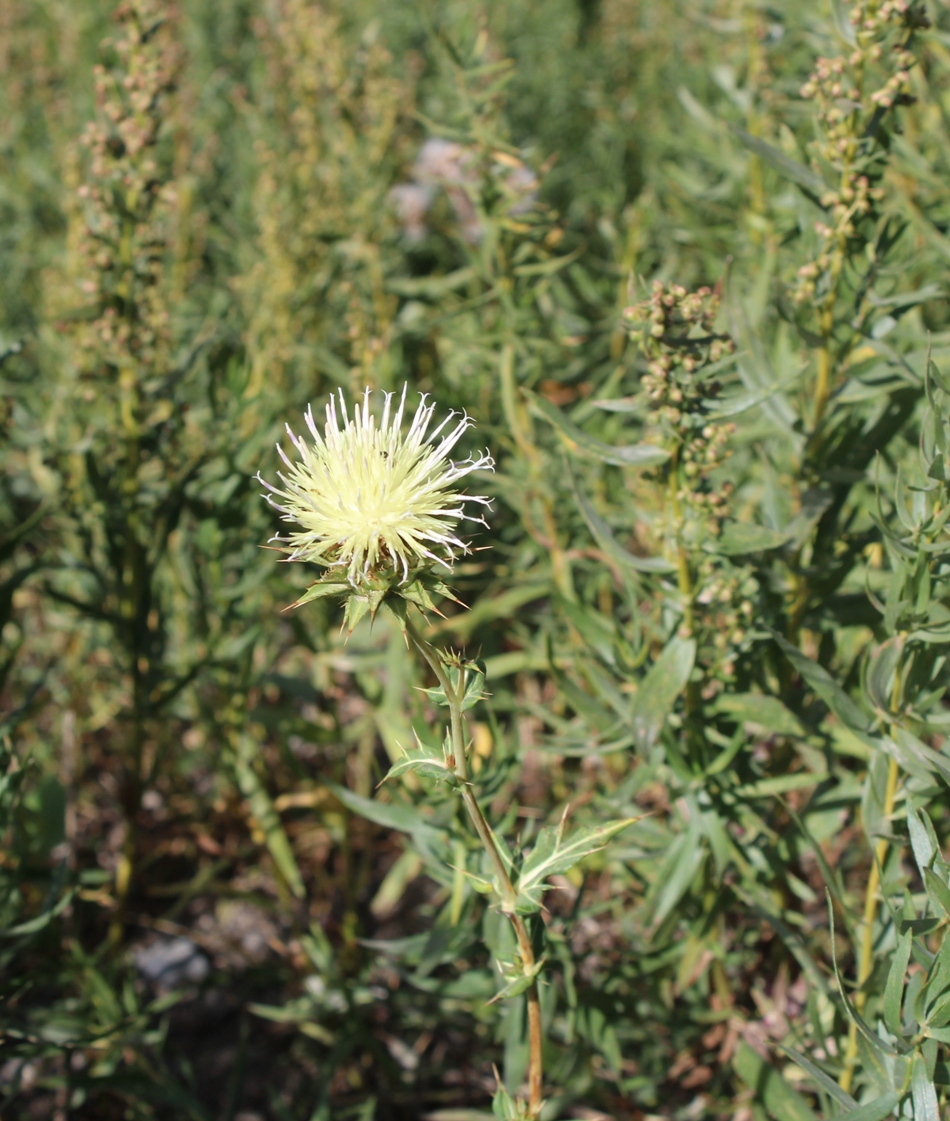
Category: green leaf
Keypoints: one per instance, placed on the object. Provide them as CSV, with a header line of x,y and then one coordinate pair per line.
x,y
894,989
937,890
756,708
918,752
780,784
503,1105
474,681
922,1092
31,926
404,818
322,591
552,854
920,841
825,1081
825,686
502,606
517,979
424,760
577,440
781,1101
262,809
784,165
659,690
680,865
604,537
739,538
877,1110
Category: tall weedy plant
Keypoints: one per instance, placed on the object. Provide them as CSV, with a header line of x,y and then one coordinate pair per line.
x,y
378,508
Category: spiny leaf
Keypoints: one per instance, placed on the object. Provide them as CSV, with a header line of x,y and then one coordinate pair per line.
x,y
322,591
553,853
473,678
425,761
517,979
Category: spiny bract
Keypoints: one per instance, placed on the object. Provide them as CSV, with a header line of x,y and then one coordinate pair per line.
x,y
371,497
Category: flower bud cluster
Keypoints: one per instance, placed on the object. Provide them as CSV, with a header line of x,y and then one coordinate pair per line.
x,y
126,202
848,91
676,331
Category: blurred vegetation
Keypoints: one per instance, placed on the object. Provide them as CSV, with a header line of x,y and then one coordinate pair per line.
x,y
685,266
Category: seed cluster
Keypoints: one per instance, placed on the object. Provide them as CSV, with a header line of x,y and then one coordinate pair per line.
x,y
676,331
850,92
727,602
127,205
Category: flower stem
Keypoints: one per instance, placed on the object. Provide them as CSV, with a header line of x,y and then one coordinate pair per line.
x,y
509,895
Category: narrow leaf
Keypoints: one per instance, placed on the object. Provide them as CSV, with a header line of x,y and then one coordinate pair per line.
x,y
923,1093
577,440
404,818
756,708
322,591
877,1110
825,1081
894,989
262,809
825,686
784,165
740,538
659,690
782,1101
604,537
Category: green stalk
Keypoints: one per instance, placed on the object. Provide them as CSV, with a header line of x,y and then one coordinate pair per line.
x,y
866,957
509,895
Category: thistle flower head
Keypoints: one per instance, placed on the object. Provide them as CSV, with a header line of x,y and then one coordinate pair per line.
x,y
375,503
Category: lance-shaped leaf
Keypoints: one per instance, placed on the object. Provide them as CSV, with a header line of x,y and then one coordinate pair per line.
x,y
406,819
577,440
894,988
262,810
923,1094
741,538
812,183
877,1110
825,686
555,853
660,688
779,1097
604,536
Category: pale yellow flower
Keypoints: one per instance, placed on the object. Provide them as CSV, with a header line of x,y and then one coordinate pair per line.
x,y
372,498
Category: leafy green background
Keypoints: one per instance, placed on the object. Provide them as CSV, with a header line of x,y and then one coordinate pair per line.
x,y
279,199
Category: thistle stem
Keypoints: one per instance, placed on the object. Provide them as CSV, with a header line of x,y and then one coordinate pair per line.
x,y
509,895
